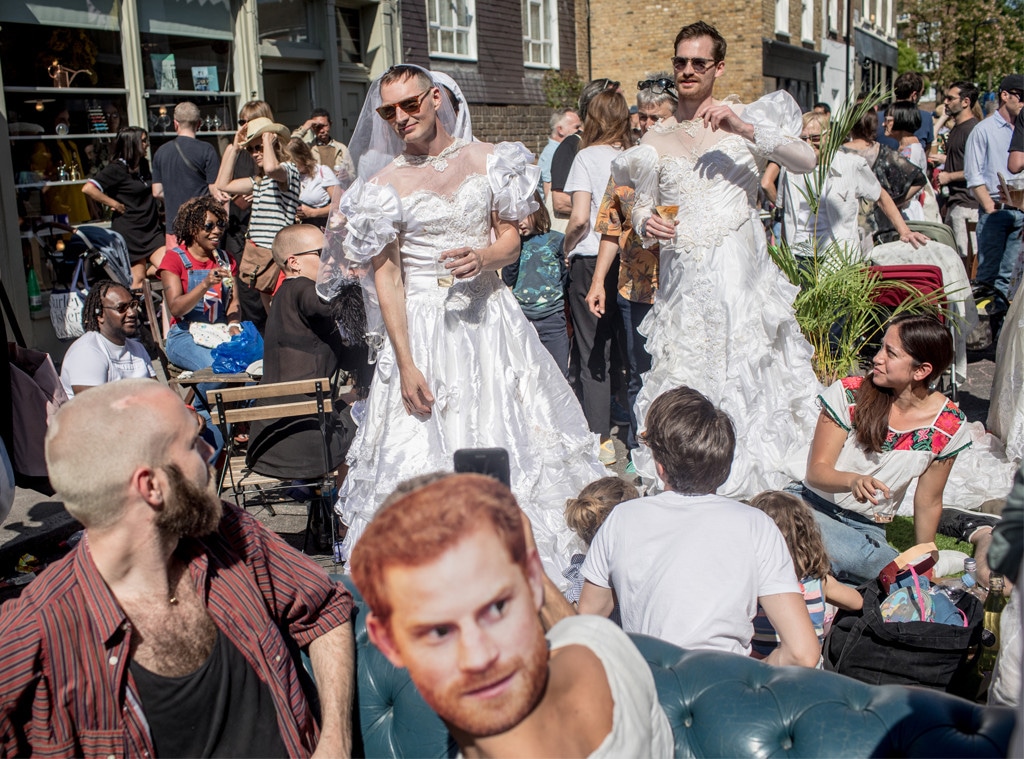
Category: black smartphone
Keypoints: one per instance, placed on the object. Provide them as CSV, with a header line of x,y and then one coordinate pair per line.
x,y
491,461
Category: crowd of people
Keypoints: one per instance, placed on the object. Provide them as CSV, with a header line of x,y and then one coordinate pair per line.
x,y
441,275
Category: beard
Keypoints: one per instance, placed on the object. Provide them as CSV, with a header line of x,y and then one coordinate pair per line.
x,y
191,511
482,718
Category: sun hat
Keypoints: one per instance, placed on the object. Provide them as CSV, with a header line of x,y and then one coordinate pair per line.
x,y
258,126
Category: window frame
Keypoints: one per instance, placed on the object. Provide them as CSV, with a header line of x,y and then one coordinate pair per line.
x,y
550,9
435,26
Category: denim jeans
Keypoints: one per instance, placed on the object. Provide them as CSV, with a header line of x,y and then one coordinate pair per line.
x,y
636,354
554,335
856,545
999,239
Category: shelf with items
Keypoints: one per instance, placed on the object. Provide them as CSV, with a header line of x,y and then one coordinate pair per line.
x,y
191,93
67,91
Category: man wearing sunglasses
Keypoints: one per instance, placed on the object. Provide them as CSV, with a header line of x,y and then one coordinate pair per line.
x,y
458,363
697,177
108,351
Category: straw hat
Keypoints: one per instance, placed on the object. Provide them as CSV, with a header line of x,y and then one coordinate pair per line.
x,y
258,126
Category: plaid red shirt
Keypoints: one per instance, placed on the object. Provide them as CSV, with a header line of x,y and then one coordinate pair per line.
x,y
65,685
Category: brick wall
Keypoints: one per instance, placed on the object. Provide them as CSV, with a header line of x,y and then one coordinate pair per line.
x,y
516,123
630,40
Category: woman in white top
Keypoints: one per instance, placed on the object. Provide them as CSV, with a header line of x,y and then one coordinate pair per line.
x,y
605,135
875,436
320,184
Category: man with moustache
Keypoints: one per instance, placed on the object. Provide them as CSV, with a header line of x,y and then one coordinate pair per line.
x,y
457,605
171,629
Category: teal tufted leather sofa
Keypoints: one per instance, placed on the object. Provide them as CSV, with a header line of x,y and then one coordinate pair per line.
x,y
719,705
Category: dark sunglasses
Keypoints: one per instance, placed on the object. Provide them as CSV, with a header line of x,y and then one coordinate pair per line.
x,y
208,226
700,65
242,122
122,308
314,252
658,86
410,106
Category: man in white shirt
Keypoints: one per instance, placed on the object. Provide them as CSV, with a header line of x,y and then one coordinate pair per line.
x,y
455,586
689,566
564,121
107,351
1000,226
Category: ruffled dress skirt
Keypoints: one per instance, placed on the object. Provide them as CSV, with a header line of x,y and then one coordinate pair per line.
x,y
494,385
723,324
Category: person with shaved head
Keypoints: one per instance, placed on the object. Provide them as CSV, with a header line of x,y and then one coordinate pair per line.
x,y
171,628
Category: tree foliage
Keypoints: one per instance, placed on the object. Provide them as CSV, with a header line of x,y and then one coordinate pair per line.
x,y
944,32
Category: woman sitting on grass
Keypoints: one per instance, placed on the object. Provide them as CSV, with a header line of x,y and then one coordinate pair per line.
x,y
877,434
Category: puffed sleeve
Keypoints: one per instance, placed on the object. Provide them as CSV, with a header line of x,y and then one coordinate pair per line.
x,y
373,214
513,179
777,123
638,168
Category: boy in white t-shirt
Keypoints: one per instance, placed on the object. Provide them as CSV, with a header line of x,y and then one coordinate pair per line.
x,y
107,351
689,566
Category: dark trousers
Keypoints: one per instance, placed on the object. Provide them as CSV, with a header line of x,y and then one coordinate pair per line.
x,y
555,337
592,341
639,360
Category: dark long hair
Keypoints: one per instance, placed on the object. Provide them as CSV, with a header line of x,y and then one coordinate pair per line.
x,y
926,341
128,146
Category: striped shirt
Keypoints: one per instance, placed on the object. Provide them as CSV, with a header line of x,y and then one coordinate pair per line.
x,y
66,688
274,205
765,638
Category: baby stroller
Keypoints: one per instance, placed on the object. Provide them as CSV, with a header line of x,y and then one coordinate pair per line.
x,y
102,251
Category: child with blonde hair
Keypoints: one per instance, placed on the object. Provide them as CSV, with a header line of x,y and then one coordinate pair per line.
x,y
585,514
810,560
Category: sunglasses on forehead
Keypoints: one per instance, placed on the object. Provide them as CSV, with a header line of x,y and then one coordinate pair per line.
x,y
410,106
660,86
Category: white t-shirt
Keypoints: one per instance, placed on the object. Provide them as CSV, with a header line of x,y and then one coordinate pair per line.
x,y
849,179
639,725
93,360
590,172
314,187
689,569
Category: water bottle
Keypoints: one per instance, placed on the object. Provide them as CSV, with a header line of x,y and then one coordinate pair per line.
x,y
35,295
955,589
971,568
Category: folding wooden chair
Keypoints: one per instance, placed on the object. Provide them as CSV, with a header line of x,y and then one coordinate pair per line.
x,y
232,406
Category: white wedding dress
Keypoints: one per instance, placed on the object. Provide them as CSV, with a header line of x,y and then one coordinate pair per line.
x,y
723,320
493,382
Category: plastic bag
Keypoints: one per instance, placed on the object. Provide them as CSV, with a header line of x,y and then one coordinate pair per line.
x,y
240,351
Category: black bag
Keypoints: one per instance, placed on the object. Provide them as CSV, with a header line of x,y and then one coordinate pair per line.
x,y
931,654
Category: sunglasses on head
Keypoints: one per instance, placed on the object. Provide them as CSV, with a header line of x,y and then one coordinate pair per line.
x,y
700,65
410,106
122,308
660,86
208,226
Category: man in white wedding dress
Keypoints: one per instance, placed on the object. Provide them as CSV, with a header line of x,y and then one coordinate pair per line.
x,y
431,219
723,321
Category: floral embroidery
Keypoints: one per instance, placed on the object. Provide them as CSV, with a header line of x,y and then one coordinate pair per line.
x,y
933,438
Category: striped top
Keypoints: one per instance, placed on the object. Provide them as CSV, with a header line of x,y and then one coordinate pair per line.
x,y
66,688
765,638
274,205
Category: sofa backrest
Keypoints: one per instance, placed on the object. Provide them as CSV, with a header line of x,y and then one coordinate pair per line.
x,y
718,704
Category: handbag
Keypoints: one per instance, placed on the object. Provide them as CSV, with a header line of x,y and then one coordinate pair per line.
x,y
66,305
257,268
36,394
864,646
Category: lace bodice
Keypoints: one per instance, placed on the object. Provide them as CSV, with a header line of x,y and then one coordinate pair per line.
x,y
713,177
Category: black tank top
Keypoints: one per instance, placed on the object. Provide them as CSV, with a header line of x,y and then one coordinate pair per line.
x,y
222,709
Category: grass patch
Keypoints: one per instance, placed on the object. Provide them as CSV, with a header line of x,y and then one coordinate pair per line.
x,y
900,534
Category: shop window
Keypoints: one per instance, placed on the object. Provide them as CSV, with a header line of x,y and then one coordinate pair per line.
x,y
66,100
284,21
540,33
452,29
